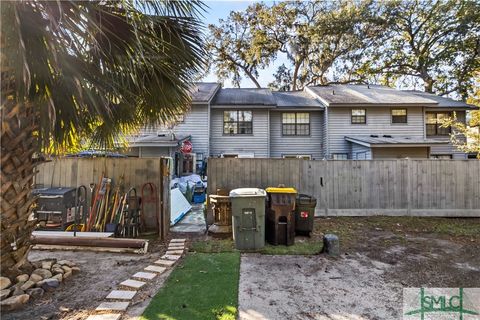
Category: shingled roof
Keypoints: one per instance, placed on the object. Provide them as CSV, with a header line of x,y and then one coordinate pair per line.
x,y
443,101
291,99
243,96
203,92
353,95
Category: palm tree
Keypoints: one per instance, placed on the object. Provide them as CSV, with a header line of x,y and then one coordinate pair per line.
x,y
74,71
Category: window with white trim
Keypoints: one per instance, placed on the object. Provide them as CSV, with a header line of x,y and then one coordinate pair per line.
x,y
237,122
295,124
359,116
340,156
399,115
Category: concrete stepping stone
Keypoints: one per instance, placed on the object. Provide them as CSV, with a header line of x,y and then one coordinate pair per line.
x,y
157,269
174,247
177,241
170,257
145,275
106,316
166,263
121,294
117,306
174,252
133,283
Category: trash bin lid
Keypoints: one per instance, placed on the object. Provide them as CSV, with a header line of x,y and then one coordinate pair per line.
x,y
247,192
280,190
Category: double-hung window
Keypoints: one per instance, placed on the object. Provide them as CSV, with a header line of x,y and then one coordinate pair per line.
x,y
359,116
296,124
434,124
399,115
340,156
237,122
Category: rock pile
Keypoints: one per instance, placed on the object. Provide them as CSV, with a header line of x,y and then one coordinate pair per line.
x,y
47,276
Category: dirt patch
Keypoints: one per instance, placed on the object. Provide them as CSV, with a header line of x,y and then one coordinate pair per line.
x,y
100,273
380,256
315,287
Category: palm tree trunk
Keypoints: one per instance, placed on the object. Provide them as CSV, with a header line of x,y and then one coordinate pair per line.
x,y
17,171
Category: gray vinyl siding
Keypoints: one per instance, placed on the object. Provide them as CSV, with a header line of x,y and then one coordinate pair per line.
x,y
356,148
256,143
378,122
195,124
154,152
295,145
447,148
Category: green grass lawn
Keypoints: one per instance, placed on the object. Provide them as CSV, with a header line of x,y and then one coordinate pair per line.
x,y
203,286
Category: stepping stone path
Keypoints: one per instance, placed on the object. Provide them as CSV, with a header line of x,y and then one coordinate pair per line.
x,y
174,252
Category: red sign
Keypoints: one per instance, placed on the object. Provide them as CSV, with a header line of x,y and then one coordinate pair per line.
x,y
186,147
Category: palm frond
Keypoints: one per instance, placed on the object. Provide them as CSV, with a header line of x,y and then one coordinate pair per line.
x,y
99,69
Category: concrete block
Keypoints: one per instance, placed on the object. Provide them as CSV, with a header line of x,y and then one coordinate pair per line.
x,y
106,316
170,257
133,283
121,294
145,275
117,306
166,263
157,269
174,252
171,247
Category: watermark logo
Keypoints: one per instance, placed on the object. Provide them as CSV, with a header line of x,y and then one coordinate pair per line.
x,y
441,303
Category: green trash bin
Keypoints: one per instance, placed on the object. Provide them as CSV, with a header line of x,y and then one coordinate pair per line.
x,y
304,213
248,218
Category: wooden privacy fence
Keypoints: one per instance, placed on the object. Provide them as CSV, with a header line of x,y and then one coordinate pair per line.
x,y
74,172
362,188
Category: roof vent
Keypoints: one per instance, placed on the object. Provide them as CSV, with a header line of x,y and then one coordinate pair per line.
x,y
373,136
387,136
333,92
